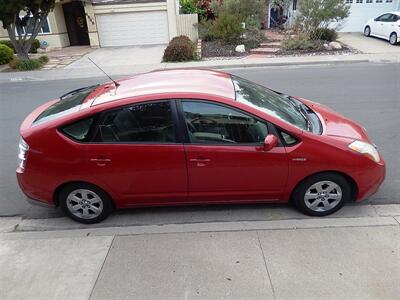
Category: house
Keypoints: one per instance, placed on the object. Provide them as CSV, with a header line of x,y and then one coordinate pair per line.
x,y
108,23
360,12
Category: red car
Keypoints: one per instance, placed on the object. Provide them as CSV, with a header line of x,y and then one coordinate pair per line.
x,y
179,137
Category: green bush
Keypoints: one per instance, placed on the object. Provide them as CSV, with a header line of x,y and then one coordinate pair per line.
x,y
301,42
6,54
226,28
324,34
34,47
248,11
190,7
179,49
253,37
28,64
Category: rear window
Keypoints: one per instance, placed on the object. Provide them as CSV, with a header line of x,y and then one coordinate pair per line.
x,y
69,103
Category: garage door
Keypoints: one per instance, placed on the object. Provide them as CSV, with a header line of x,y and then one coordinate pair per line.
x,y
136,28
363,10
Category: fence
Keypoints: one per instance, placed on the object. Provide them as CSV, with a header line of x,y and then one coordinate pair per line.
x,y
188,25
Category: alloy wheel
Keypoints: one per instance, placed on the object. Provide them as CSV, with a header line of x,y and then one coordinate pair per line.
x,y
84,203
323,196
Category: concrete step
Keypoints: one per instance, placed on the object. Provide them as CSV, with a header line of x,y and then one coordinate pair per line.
x,y
270,45
264,50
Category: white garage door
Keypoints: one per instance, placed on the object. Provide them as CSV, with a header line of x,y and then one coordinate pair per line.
x,y
136,28
363,10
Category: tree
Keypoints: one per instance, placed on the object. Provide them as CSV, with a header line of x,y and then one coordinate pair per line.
x,y
16,14
320,13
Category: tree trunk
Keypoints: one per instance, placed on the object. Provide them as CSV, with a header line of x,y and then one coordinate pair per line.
x,y
21,51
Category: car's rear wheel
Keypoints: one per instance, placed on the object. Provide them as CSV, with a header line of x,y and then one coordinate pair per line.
x,y
85,203
367,31
322,194
393,38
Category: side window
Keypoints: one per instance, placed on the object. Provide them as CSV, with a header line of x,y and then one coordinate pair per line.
x,y
78,130
385,18
149,122
215,124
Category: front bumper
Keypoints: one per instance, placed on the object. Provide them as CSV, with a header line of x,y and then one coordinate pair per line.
x,y
370,180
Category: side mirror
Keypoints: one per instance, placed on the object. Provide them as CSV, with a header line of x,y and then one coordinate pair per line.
x,y
270,142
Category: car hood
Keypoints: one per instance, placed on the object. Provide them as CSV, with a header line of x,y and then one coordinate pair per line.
x,y
335,124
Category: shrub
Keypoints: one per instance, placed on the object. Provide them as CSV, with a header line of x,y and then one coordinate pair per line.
x,y
324,34
313,14
226,28
43,59
34,47
6,54
301,42
244,10
253,37
190,7
179,49
28,64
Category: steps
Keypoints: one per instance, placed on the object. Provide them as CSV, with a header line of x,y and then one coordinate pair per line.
x,y
267,48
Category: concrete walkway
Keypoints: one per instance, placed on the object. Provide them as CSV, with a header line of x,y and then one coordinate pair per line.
x,y
354,254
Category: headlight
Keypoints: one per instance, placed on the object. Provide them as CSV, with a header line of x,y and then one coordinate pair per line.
x,y
365,149
22,153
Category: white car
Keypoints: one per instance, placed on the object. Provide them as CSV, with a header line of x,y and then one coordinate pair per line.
x,y
386,26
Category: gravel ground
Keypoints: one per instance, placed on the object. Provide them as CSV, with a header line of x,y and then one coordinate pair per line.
x,y
213,49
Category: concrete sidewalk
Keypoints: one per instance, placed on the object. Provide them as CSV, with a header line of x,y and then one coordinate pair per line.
x,y
347,256
122,67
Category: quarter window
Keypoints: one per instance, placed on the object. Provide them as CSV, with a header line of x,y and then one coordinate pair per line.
x,y
149,122
78,130
215,124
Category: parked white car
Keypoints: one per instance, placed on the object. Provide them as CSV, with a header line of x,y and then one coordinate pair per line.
x,y
386,26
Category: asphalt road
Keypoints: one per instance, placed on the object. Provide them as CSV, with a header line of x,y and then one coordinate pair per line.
x,y
368,93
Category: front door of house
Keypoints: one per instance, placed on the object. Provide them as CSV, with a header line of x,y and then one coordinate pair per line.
x,y
75,20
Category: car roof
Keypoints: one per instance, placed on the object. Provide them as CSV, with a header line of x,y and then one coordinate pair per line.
x,y
169,81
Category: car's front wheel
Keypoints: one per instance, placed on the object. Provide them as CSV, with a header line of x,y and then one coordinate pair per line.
x,y
85,203
367,31
322,194
393,38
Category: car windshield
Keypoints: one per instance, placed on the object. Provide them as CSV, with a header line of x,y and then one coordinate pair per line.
x,y
68,103
269,102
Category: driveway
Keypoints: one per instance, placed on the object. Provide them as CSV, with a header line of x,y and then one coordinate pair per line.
x,y
368,44
120,56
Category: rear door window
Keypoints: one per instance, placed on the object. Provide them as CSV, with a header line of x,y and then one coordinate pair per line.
x,y
140,123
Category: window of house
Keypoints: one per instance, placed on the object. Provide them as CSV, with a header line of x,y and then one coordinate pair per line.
x,y
359,1
378,1
349,1
210,123
148,122
389,1
369,1
29,27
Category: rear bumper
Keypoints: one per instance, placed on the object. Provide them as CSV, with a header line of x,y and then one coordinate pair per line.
x,y
36,195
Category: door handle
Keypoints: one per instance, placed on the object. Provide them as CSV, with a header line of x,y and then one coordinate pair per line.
x,y
200,162
100,161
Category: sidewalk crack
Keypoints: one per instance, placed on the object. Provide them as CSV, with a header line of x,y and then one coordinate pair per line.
x,y
266,266
102,266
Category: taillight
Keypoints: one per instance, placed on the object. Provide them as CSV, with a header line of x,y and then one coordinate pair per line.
x,y
23,149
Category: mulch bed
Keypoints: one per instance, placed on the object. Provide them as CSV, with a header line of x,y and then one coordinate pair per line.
x,y
214,49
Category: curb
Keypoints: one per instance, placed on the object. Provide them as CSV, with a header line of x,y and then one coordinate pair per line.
x,y
62,74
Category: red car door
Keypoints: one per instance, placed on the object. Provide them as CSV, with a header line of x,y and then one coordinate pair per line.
x,y
226,159
136,155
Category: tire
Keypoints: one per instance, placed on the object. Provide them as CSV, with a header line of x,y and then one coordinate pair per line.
x,y
311,196
393,39
367,31
97,205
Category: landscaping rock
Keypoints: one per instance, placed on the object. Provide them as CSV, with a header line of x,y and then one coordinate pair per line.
x,y
335,45
240,49
327,47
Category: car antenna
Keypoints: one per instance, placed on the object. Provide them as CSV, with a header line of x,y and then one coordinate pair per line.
x,y
115,83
